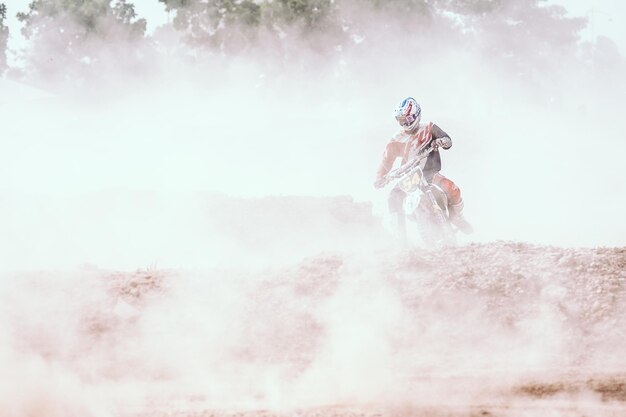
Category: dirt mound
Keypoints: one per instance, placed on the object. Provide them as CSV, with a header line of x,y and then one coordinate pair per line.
x,y
474,329
586,287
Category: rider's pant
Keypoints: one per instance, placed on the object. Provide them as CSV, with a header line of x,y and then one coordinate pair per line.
x,y
453,192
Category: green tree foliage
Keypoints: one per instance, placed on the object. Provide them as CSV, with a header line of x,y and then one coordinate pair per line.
x,y
470,7
4,37
74,36
517,31
522,37
208,22
522,30
311,13
519,34
92,18
231,24
413,8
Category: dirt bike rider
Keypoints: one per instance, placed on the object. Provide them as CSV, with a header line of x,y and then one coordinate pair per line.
x,y
415,138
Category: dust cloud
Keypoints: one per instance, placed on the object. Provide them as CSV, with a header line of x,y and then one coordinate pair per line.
x,y
239,191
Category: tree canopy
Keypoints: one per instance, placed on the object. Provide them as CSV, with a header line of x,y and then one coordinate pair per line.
x,y
87,18
235,24
504,27
70,34
4,37
79,35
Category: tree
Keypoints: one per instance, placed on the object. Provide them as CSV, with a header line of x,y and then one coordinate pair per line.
x,y
235,24
403,7
523,37
526,37
95,18
310,13
73,37
514,26
4,37
210,23
470,7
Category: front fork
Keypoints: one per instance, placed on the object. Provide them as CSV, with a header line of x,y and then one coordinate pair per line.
x,y
441,216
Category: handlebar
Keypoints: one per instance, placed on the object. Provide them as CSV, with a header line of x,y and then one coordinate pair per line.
x,y
400,171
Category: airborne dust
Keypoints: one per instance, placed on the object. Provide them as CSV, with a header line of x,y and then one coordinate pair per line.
x,y
200,232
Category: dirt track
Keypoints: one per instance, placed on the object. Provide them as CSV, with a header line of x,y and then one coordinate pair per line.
x,y
584,288
499,329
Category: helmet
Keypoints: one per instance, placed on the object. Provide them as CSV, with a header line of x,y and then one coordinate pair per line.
x,y
408,114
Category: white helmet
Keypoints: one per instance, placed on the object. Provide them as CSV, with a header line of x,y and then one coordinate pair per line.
x,y
408,114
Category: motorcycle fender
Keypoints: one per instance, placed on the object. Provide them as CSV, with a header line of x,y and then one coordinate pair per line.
x,y
411,202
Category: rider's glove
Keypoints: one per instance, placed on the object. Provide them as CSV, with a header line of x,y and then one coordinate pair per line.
x,y
444,142
380,182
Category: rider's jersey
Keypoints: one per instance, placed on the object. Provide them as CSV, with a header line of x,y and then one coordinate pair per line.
x,y
409,145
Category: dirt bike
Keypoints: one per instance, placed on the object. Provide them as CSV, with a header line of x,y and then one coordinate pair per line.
x,y
425,204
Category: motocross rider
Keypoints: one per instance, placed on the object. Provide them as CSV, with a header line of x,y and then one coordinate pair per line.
x,y
415,138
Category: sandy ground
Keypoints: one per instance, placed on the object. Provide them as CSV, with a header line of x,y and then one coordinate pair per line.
x,y
584,289
495,329
336,325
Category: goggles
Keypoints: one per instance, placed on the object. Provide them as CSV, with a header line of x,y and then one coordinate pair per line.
x,y
406,120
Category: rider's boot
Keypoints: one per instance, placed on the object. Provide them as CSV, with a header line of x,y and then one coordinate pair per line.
x,y
457,218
